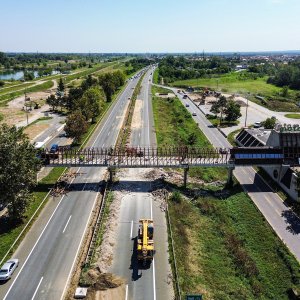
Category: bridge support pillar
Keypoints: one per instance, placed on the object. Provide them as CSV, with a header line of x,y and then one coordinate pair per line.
x,y
185,175
111,174
230,177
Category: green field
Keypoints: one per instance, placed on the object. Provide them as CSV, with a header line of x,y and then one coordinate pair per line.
x,y
224,247
292,116
37,88
175,125
232,83
237,83
226,250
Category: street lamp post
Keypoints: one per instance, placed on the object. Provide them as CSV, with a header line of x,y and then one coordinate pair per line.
x,y
246,111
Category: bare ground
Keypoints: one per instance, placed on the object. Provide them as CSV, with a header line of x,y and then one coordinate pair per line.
x,y
14,112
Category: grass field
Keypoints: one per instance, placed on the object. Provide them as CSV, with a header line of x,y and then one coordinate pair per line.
x,y
232,84
37,88
174,123
292,116
226,250
235,83
155,76
224,247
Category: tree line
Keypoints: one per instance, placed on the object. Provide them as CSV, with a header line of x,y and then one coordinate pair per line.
x,y
287,75
86,102
180,68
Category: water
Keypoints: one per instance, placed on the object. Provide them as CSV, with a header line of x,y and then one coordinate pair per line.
x,y
17,75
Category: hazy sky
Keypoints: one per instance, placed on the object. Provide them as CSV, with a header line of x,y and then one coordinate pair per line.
x,y
149,26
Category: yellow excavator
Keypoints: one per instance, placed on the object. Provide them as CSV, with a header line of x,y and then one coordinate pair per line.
x,y
145,243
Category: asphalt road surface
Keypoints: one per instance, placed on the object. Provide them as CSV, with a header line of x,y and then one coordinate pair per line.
x,y
148,282
48,253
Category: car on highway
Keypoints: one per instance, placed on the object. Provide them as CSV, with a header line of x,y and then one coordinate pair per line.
x,y
194,114
187,105
8,268
184,96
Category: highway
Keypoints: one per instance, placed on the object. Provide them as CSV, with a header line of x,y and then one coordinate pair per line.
x,y
48,253
151,282
284,222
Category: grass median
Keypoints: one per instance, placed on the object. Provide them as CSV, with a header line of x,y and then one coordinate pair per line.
x,y
224,247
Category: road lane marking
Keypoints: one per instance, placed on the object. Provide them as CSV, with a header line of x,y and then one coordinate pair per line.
x,y
37,241
131,228
154,288
108,118
126,292
37,288
151,210
79,246
67,224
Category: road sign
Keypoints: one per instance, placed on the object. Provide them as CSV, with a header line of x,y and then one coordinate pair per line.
x,y
193,297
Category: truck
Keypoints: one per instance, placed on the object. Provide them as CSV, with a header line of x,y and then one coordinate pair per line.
x,y
145,242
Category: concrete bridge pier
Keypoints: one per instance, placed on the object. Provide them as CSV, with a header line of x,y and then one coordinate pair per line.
x,y
185,175
111,174
230,177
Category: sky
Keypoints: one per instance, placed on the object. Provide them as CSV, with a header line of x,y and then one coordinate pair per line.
x,y
132,26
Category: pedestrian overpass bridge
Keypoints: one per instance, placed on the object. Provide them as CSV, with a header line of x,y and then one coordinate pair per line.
x,y
171,157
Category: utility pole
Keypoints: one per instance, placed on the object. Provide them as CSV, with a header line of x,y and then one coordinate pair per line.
x,y
247,96
25,106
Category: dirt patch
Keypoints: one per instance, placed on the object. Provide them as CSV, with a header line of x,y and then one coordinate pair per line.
x,y
165,96
35,129
137,121
104,254
105,286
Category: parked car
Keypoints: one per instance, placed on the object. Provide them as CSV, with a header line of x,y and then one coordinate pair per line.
x,y
257,124
8,268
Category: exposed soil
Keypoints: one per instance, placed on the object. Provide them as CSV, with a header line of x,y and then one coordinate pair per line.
x,y
35,129
137,121
169,95
14,112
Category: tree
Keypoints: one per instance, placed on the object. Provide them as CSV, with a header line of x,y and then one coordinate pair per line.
x,y
232,111
269,123
108,84
91,103
73,98
52,101
219,106
18,165
76,126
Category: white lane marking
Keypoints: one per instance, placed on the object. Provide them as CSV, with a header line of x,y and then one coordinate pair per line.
x,y
131,228
126,292
108,133
47,139
154,288
37,288
151,210
84,185
79,246
37,241
67,224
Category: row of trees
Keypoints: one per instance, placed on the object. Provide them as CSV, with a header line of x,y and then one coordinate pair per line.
x,y
180,68
87,102
287,75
